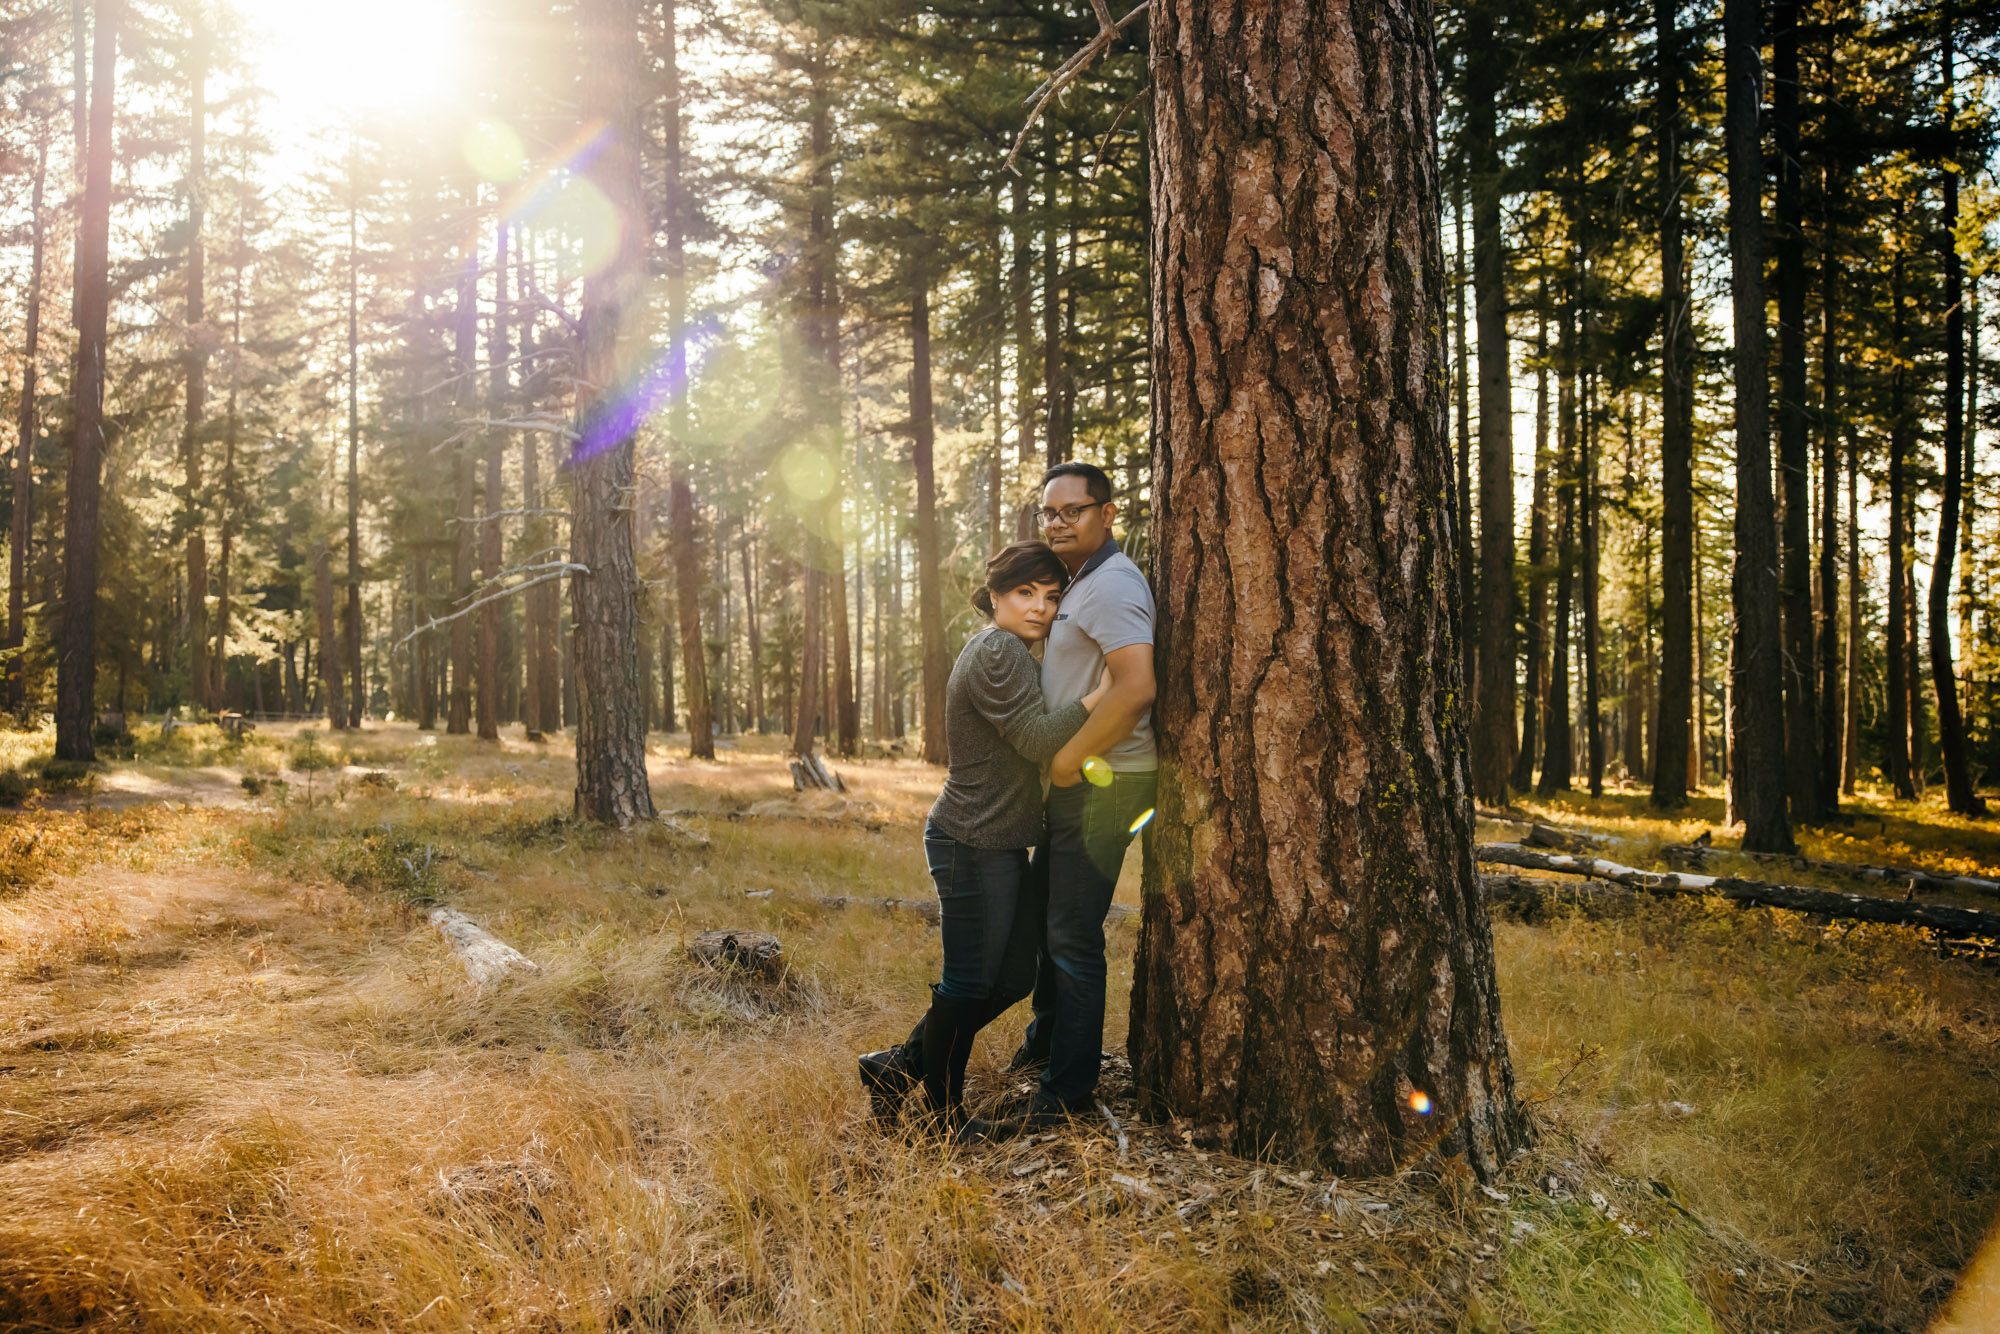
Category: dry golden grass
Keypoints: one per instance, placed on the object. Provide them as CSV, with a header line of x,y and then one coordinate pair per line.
x,y
243,1086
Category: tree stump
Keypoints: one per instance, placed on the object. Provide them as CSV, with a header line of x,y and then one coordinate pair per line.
x,y
757,952
810,774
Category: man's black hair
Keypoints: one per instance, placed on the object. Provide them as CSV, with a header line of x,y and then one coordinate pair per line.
x,y
1094,478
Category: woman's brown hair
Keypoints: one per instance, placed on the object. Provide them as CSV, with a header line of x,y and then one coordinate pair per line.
x,y
1016,565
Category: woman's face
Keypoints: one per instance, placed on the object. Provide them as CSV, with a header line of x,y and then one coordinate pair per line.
x,y
1027,611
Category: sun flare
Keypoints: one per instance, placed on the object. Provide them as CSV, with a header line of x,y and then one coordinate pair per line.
x,y
323,62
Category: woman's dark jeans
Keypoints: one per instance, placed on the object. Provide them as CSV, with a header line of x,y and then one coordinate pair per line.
x,y
991,924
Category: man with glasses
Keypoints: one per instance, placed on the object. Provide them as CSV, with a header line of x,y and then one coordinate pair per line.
x,y
1101,783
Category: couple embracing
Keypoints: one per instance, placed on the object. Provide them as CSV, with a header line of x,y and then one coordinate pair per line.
x,y
1025,868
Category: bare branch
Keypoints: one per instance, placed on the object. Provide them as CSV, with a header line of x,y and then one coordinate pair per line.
x,y
1108,32
553,570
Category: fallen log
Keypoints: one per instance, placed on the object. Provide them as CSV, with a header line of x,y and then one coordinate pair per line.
x,y
486,957
1530,897
1904,877
1846,907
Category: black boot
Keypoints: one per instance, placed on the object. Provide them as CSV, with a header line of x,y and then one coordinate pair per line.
x,y
948,1033
889,1075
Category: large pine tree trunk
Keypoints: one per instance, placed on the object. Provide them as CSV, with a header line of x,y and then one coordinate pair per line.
x,y
1958,788
76,646
1558,755
1794,452
1468,564
30,428
1493,700
1593,676
196,365
1850,749
611,784
1757,670
1671,757
1315,970
930,612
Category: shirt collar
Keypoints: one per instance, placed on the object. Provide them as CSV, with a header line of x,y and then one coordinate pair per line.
x,y
1097,558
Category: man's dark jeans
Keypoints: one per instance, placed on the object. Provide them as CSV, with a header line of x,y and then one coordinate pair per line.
x,y
1076,870
988,915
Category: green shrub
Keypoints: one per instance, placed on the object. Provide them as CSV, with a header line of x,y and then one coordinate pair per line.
x,y
65,775
15,787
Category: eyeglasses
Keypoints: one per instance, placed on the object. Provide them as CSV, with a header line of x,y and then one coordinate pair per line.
x,y
1067,515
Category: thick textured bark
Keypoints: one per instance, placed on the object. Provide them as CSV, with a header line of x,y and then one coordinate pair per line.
x,y
1493,699
1315,969
30,428
1958,788
1802,778
1671,756
611,784
1757,752
930,611
331,686
195,364
76,647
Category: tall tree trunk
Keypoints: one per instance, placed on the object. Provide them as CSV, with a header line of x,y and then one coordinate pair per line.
x,y
230,496
352,635
1558,759
930,611
1850,749
1671,757
1802,776
1831,692
458,720
680,497
1593,675
1959,793
1901,780
30,428
1536,685
329,654
812,598
76,650
493,501
1468,564
1757,669
534,529
1493,700
1303,564
196,368
1020,283
421,611
757,719
1057,438
611,783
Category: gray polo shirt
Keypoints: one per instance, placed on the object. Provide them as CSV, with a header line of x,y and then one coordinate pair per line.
x,y
1108,606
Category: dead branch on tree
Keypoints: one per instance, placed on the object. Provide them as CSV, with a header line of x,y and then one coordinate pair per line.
x,y
553,570
1108,32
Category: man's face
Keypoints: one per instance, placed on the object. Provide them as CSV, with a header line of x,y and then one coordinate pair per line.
x,y
1080,540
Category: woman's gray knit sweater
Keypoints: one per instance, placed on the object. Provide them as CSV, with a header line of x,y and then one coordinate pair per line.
x,y
1000,732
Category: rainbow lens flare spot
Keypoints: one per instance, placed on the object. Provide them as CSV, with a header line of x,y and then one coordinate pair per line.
x,y
1420,1103
1097,771
1145,818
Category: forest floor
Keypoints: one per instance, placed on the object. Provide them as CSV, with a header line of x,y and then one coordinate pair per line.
x,y
244,1084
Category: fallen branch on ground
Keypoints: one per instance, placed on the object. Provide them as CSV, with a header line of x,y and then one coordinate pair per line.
x,y
486,957
1846,907
1689,854
927,908
1531,896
